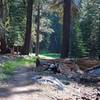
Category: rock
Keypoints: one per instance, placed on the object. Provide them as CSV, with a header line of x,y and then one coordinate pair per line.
x,y
91,75
49,80
94,72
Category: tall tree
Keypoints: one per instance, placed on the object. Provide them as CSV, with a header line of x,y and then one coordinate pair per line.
x,y
27,41
1,8
39,5
66,28
2,30
38,30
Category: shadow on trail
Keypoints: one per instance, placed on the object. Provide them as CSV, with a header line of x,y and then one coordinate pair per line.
x,y
26,77
5,92
21,79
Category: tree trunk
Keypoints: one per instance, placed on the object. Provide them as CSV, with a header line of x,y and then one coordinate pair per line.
x,y
2,32
27,41
66,29
38,30
2,45
1,9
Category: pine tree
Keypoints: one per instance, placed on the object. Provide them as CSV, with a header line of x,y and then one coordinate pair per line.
x,y
27,41
66,29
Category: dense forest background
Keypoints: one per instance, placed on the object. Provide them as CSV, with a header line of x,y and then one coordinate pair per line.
x,y
46,17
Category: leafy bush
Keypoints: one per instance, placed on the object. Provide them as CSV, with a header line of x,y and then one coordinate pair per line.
x,y
9,66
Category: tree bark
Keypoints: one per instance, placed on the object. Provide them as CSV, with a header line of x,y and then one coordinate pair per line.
x,y
27,40
66,29
37,30
2,46
2,32
1,9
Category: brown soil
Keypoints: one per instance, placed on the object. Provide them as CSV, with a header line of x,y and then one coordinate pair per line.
x,y
21,87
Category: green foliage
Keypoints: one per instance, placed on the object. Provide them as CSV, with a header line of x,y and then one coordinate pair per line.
x,y
85,36
55,38
9,66
51,41
53,55
77,48
48,54
90,24
3,76
85,30
15,21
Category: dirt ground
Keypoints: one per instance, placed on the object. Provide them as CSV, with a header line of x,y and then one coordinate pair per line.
x,y
21,86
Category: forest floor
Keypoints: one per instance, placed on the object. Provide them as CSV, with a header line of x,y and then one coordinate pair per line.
x,y
30,83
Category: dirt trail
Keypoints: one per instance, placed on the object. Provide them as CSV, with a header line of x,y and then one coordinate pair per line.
x,y
21,87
